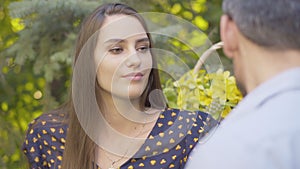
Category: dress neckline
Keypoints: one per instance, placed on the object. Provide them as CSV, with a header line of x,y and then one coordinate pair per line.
x,y
139,150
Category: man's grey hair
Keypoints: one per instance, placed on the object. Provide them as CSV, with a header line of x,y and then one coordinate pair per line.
x,y
269,23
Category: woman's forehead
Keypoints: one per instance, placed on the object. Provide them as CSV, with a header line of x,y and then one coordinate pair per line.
x,y
120,27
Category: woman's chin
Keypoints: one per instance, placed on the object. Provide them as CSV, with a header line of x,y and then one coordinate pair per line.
x,y
135,94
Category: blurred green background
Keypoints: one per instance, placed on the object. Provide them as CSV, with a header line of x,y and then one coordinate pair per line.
x,y
36,45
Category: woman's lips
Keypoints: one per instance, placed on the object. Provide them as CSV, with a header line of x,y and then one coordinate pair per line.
x,y
134,76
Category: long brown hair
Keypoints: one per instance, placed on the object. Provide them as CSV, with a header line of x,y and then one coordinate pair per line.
x,y
80,149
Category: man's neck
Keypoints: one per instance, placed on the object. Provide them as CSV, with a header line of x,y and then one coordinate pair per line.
x,y
263,64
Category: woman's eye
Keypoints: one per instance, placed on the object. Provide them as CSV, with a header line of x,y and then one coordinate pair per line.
x,y
143,49
116,50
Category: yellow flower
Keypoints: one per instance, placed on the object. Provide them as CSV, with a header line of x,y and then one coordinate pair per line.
x,y
215,93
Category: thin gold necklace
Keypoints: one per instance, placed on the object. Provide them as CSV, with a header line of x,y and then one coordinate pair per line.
x,y
113,162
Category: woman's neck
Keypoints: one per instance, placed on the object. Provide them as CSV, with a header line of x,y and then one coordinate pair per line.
x,y
126,115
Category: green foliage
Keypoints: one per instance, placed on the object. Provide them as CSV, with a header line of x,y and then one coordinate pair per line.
x,y
7,33
49,34
20,103
37,38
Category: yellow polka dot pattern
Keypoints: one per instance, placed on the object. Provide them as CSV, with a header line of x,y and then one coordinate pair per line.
x,y
45,140
168,145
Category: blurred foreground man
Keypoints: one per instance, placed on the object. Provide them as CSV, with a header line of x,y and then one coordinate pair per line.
x,y
262,37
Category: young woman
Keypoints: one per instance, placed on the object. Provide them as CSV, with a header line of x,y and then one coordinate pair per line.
x,y
116,116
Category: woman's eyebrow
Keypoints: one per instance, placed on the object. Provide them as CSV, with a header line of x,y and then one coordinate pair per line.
x,y
146,39
114,41
110,41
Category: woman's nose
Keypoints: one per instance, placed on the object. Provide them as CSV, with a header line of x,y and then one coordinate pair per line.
x,y
133,59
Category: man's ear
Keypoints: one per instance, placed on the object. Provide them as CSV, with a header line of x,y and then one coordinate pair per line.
x,y
229,35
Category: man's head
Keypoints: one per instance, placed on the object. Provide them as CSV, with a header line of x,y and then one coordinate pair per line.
x,y
269,23
253,31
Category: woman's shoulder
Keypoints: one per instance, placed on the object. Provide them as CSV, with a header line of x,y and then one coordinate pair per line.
x,y
198,122
53,123
175,113
175,133
45,138
52,119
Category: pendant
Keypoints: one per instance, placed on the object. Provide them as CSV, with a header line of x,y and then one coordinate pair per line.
x,y
112,167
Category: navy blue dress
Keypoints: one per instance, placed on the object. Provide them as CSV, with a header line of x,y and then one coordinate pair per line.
x,y
168,145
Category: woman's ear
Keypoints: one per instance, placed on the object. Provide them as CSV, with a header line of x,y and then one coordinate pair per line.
x,y
228,31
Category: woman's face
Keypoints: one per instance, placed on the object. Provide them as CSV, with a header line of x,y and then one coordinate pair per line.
x,y
123,57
